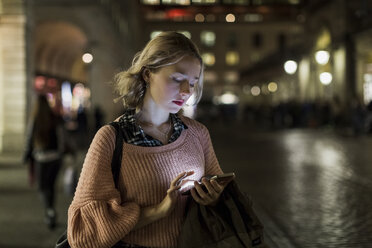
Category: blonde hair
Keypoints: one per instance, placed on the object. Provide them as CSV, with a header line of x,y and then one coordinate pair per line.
x,y
165,49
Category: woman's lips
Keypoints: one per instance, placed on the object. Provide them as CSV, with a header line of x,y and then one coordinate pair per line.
x,y
179,102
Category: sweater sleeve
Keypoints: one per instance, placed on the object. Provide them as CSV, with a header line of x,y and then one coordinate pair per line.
x,y
97,217
212,166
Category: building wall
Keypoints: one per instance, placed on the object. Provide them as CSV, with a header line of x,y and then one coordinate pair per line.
x,y
245,46
109,40
110,51
12,75
332,19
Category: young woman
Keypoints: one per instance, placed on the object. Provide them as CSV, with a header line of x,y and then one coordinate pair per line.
x,y
164,154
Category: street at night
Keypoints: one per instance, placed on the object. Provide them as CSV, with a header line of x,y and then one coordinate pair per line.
x,y
310,187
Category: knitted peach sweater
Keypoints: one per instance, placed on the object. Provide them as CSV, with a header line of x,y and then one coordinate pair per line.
x,y
100,215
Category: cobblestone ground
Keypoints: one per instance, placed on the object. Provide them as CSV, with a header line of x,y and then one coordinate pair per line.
x,y
21,212
311,188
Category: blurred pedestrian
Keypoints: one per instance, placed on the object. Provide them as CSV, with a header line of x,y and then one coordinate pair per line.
x,y
98,118
44,145
358,116
164,154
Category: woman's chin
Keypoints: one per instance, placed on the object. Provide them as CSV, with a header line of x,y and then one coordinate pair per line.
x,y
175,109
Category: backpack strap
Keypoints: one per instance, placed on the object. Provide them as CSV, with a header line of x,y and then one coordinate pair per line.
x,y
117,155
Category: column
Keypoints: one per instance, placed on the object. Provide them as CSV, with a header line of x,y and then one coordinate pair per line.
x,y
12,75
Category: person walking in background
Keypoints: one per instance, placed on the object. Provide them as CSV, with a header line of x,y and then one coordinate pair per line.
x,y
44,145
164,154
98,118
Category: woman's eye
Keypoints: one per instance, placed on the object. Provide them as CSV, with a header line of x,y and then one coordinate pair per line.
x,y
179,80
192,83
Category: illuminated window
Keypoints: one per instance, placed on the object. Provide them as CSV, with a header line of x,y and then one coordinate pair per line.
x,y
208,38
208,59
199,18
87,58
185,33
230,18
39,82
245,2
229,98
255,90
151,2
232,58
231,77
210,76
253,17
203,1
367,88
273,87
242,2
66,94
238,2
183,2
176,2
154,33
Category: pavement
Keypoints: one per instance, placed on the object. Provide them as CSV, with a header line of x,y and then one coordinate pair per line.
x,y
310,188
21,211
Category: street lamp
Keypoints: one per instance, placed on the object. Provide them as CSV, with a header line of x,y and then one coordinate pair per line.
x,y
272,87
87,58
229,98
322,57
325,78
255,90
290,67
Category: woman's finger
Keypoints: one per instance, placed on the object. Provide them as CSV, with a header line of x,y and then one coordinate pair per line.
x,y
211,190
181,176
217,187
178,177
204,195
196,197
173,189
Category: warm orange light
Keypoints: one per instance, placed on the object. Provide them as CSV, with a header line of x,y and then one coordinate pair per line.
x,y
230,18
199,18
272,87
177,13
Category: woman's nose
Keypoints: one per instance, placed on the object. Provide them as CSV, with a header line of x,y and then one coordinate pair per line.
x,y
185,87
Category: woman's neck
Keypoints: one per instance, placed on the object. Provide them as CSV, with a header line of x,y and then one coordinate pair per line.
x,y
154,116
150,112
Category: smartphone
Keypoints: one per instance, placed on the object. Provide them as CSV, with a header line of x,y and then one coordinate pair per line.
x,y
224,178
227,177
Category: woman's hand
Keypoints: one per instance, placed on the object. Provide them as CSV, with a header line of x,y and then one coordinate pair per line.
x,y
169,202
151,214
209,198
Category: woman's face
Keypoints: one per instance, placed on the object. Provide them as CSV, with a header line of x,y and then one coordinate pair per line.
x,y
171,86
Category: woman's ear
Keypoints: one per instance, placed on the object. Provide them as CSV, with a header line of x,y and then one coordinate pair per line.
x,y
146,75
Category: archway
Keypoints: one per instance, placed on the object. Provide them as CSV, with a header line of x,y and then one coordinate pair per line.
x,y
60,72
58,48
